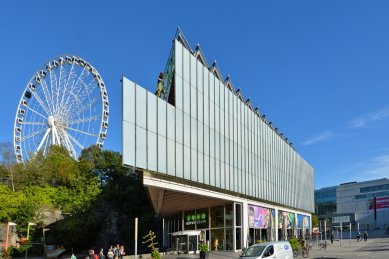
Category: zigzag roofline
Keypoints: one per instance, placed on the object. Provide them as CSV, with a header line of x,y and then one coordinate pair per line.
x,y
214,69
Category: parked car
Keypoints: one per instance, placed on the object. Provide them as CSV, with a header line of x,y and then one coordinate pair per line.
x,y
279,250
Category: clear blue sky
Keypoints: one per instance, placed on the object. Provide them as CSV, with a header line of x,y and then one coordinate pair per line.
x,y
318,69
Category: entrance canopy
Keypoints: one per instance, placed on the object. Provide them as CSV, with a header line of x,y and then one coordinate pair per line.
x,y
169,198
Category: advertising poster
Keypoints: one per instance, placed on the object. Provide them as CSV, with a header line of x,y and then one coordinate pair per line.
x,y
260,217
381,203
286,220
302,221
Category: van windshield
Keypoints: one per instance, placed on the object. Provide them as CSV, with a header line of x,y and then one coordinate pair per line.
x,y
253,251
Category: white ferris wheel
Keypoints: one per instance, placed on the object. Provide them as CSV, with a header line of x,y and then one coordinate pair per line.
x,y
65,103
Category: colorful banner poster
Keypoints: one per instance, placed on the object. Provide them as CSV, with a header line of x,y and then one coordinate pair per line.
x,y
381,203
286,220
303,220
260,217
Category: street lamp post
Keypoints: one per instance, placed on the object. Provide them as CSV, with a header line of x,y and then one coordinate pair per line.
x,y
6,238
28,235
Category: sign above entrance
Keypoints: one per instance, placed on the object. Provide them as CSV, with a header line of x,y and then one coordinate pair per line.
x,y
195,218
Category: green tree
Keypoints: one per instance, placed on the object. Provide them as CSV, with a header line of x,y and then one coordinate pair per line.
x,y
315,221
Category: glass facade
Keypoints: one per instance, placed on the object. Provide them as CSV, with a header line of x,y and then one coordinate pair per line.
x,y
213,138
222,225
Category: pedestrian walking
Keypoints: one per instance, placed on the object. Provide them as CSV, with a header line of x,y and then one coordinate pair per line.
x,y
110,254
365,236
121,252
332,238
73,256
358,236
101,254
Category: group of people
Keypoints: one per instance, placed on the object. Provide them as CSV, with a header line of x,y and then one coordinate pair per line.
x,y
114,252
364,236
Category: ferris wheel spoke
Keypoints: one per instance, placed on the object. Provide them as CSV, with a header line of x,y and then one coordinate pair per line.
x,y
31,109
82,120
81,95
54,87
47,95
43,140
34,123
33,134
83,132
76,87
75,141
61,85
66,83
62,134
44,107
75,112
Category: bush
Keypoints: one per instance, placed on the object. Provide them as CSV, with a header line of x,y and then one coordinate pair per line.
x,y
155,254
295,244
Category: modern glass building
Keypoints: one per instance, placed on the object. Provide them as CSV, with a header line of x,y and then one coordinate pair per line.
x,y
363,204
215,169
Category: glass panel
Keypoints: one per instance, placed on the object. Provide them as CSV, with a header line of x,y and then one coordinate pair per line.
x,y
193,139
212,171
141,147
186,64
212,143
200,107
206,110
128,101
178,57
128,143
229,215
171,169
206,169
186,163
238,238
192,71
161,117
217,239
229,239
161,154
217,92
151,112
212,87
151,151
206,140
179,126
200,82
193,103
200,140
217,217
186,97
212,115
200,167
206,82
186,130
179,162
178,91
238,214
202,218
193,160
171,124
140,107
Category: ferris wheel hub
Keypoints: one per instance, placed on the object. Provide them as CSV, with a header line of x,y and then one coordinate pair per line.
x,y
50,121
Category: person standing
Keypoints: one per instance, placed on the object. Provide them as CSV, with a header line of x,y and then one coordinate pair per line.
x,y
101,254
73,256
110,254
332,238
365,236
121,252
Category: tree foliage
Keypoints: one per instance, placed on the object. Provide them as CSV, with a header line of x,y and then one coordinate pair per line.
x,y
86,190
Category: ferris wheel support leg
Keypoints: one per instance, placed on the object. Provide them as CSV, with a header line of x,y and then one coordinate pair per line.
x,y
43,140
58,141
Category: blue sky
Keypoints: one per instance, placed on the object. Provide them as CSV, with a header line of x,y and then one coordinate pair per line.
x,y
318,69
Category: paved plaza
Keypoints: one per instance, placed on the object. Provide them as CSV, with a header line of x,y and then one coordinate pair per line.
x,y
373,248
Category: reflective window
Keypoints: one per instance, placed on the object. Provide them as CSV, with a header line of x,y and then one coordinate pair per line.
x,y
161,117
151,112
151,151
179,162
141,147
161,154
229,215
141,107
217,216
178,57
171,165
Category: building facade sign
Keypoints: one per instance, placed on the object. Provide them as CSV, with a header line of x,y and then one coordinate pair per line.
x,y
381,204
260,217
286,220
195,218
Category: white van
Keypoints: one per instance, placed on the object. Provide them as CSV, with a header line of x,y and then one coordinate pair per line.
x,y
279,250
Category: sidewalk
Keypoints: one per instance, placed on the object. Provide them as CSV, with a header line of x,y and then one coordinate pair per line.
x,y
374,248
